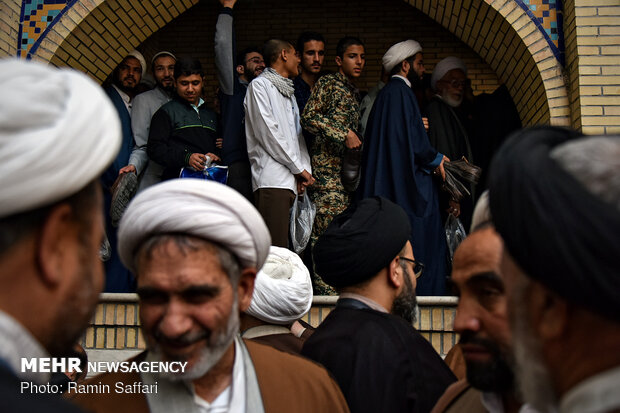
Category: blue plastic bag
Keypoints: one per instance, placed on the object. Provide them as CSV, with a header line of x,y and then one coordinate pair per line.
x,y
215,173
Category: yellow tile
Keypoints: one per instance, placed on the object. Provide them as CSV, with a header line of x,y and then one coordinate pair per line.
x,y
100,337
132,340
120,338
90,337
437,316
109,337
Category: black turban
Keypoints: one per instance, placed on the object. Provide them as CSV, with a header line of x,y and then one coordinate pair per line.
x,y
559,233
361,241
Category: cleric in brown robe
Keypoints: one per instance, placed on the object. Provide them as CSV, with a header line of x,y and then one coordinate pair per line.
x,y
195,248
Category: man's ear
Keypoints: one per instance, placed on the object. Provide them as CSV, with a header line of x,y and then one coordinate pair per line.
x,y
338,61
246,287
55,250
393,273
240,70
549,313
284,55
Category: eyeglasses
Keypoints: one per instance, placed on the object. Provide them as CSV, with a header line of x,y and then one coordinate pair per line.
x,y
458,83
418,267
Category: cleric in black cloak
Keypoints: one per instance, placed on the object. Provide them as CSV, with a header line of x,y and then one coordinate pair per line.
x,y
399,160
368,343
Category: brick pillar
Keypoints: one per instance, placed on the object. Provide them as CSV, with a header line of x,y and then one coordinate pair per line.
x,y
592,29
9,27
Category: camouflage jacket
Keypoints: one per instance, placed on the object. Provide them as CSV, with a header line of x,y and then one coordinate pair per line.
x,y
333,109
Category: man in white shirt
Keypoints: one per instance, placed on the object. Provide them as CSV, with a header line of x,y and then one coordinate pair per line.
x,y
276,147
555,200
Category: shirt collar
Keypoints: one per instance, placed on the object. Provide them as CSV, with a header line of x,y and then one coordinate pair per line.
x,y
403,78
370,303
122,94
232,399
494,404
16,342
596,394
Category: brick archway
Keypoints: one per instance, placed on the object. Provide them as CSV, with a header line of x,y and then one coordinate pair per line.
x,y
508,40
499,31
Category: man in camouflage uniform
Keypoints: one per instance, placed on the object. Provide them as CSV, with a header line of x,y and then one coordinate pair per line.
x,y
332,115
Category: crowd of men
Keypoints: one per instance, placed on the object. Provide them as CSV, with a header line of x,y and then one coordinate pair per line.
x,y
283,125
218,288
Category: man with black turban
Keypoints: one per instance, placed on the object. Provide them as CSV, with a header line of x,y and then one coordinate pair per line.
x,y
555,200
367,342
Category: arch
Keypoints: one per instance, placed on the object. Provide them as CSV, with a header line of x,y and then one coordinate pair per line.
x,y
505,37
94,35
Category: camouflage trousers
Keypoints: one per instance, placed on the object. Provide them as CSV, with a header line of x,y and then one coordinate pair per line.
x,y
329,203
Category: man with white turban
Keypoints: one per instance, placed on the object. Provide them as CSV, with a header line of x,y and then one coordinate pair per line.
x,y
121,91
58,133
195,248
449,125
282,295
398,162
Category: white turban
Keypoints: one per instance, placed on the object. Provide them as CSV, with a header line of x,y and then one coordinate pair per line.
x,y
136,54
204,209
444,66
282,290
58,132
399,52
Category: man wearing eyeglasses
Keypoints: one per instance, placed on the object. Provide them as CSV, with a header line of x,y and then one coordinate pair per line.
x,y
448,126
234,73
368,343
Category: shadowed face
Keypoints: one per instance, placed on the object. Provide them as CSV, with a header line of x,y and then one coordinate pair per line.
x,y
129,73
481,316
313,56
163,71
451,87
352,61
189,88
254,65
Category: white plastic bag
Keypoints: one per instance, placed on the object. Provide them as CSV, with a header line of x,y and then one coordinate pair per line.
x,y
302,218
455,233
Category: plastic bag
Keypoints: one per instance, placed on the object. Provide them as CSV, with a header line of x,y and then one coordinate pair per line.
x,y
455,233
302,218
215,173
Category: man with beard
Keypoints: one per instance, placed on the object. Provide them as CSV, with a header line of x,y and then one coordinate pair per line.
x,y
448,127
58,133
121,92
276,147
555,200
398,161
482,323
144,107
195,247
234,77
368,342
332,115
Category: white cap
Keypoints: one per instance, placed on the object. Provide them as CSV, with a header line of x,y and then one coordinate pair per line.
x,y
399,52
58,132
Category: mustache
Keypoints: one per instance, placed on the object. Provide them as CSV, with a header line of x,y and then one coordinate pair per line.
x,y
469,337
184,340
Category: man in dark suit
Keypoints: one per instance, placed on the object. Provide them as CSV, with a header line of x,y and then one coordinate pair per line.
x,y
121,92
367,342
58,133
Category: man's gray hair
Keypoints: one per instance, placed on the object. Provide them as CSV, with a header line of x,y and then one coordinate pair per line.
x,y
186,243
595,163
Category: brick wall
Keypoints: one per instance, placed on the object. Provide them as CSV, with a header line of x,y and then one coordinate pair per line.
x,y
379,24
593,63
9,26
